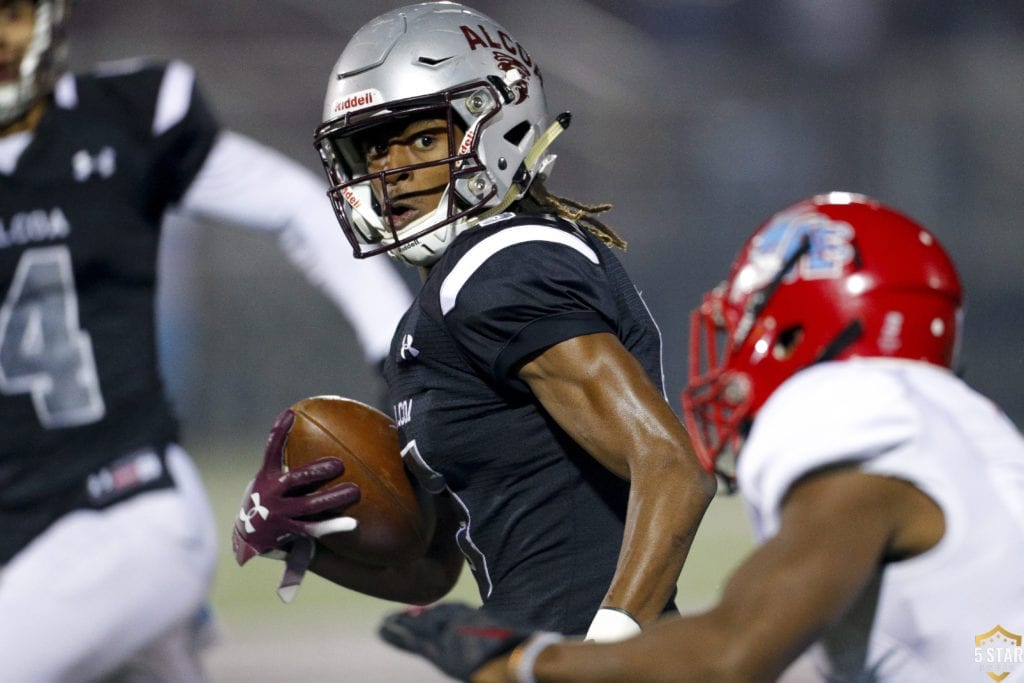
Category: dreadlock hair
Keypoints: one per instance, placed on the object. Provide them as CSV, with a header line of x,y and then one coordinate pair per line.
x,y
538,199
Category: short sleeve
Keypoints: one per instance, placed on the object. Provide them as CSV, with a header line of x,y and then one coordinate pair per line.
x,y
184,126
830,414
163,107
520,291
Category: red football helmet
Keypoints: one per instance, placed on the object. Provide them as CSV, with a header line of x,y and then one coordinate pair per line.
x,y
833,277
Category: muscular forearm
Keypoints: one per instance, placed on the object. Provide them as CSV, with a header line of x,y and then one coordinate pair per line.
x,y
665,508
603,398
779,601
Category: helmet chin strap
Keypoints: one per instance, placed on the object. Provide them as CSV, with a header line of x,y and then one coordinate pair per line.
x,y
434,216
532,163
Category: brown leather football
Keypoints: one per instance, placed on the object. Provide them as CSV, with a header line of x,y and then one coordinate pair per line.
x,y
396,517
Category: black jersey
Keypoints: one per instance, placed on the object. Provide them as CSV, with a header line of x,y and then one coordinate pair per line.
x,y
79,230
543,520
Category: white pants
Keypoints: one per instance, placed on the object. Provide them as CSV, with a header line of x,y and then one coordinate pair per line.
x,y
101,590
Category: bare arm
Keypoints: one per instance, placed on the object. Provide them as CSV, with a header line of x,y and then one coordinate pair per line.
x,y
601,396
780,600
427,579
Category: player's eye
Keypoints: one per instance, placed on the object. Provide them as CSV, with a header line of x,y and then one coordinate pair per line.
x,y
426,141
376,151
430,142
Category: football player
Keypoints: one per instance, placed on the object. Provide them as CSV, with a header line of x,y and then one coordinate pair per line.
x,y
526,377
107,547
888,496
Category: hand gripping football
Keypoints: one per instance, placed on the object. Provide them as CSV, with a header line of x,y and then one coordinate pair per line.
x,y
396,517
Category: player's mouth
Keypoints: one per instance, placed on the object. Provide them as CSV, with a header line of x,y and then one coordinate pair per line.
x,y
8,71
410,205
403,213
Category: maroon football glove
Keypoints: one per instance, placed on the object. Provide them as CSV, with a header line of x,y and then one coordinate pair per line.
x,y
282,512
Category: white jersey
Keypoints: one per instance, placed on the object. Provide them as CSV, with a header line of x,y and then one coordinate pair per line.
x,y
956,612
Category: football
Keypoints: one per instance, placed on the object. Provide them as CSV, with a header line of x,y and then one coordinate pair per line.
x,y
396,520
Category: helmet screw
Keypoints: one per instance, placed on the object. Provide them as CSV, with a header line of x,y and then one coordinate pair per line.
x,y
502,163
737,390
476,103
478,185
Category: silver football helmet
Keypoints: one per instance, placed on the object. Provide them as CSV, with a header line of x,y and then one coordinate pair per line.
x,y
434,60
40,65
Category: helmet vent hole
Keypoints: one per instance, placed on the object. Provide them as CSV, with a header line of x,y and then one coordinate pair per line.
x,y
516,134
431,61
787,342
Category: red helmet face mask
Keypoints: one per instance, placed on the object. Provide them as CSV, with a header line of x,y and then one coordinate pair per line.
x,y
834,277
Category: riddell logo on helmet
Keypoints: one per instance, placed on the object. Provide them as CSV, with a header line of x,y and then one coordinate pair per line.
x,y
467,142
351,197
359,100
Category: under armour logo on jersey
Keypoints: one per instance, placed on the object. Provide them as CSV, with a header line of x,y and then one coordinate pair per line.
x,y
256,509
407,347
103,164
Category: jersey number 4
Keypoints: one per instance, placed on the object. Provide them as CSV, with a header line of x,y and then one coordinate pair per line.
x,y
43,351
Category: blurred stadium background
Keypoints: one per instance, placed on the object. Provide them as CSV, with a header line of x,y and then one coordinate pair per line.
x,y
696,118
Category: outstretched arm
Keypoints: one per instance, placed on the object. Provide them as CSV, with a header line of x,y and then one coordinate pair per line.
x,y
780,600
601,396
250,185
